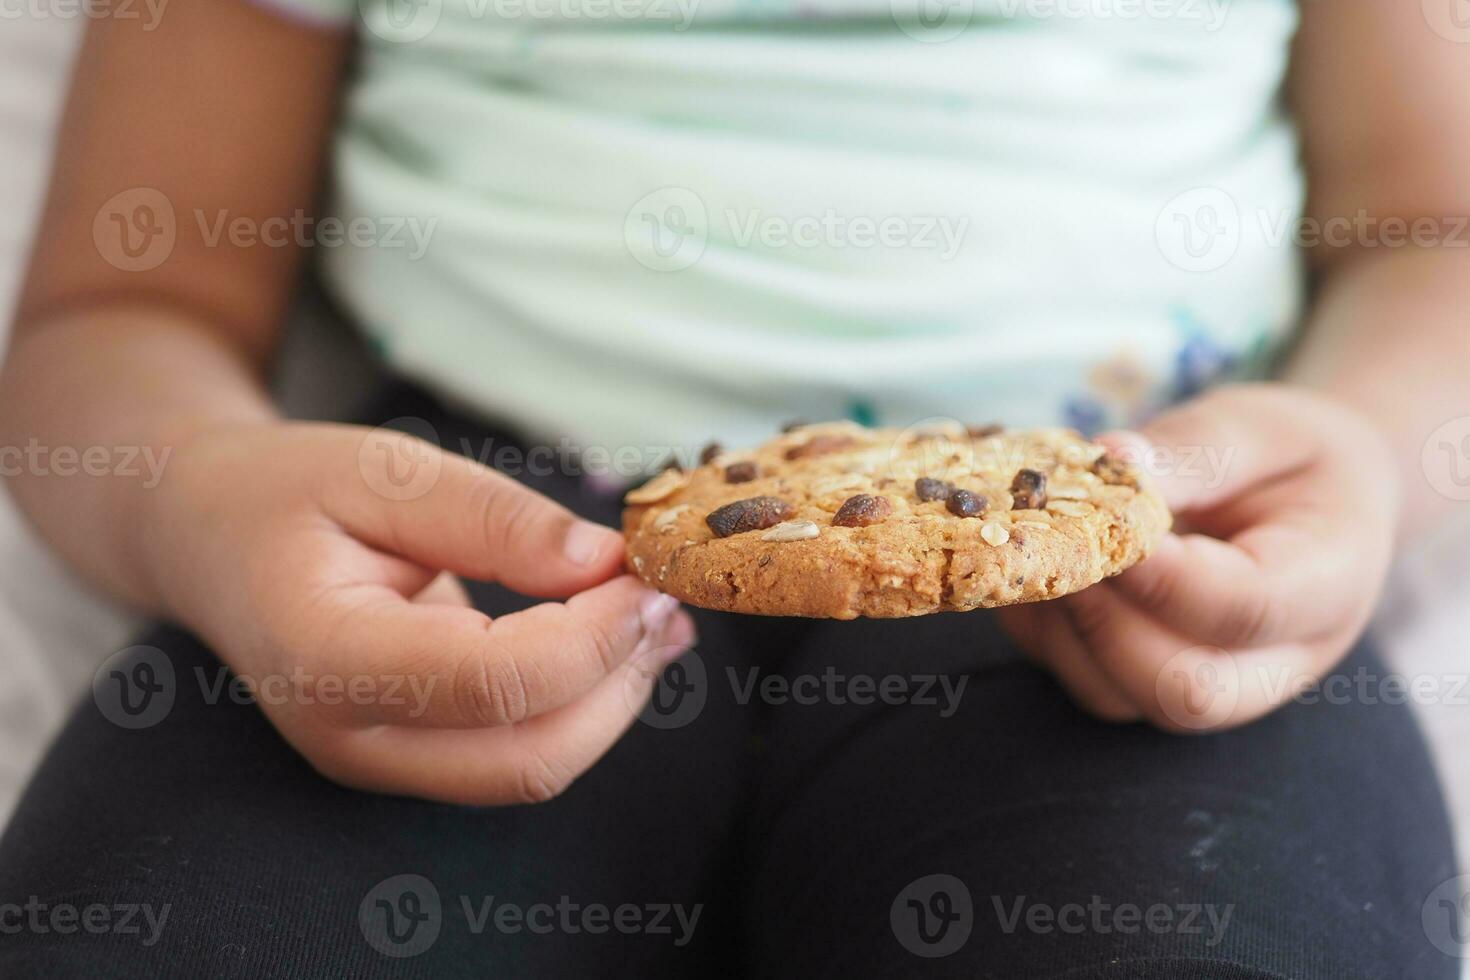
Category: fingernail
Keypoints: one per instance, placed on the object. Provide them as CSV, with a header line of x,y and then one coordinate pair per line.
x,y
678,634
693,635
655,610
585,542
668,654
1129,444
662,651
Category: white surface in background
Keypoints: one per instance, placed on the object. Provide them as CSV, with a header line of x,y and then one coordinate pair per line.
x,y
1424,624
53,633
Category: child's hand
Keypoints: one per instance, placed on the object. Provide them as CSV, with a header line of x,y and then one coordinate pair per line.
x,y
1281,547
282,546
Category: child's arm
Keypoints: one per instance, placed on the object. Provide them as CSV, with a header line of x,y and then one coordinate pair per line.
x,y
1326,470
287,546
220,108
1383,93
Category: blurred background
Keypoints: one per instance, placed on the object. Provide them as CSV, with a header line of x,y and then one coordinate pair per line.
x,y
54,632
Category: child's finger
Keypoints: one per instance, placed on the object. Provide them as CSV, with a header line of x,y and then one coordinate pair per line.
x,y
444,590
473,672
529,763
1048,636
1137,654
1213,448
1180,684
1267,586
472,521
1209,589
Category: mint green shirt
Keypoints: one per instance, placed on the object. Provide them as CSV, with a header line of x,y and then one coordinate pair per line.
x,y
651,222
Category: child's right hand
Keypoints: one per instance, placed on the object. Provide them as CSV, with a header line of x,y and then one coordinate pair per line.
x,y
282,545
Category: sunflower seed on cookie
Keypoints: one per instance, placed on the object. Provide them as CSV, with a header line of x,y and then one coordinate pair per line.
x,y
820,445
656,489
994,534
792,531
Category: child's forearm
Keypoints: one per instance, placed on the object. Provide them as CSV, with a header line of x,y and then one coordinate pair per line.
x,y
93,404
1389,337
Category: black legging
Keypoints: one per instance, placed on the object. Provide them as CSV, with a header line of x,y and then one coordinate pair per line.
x,y
815,799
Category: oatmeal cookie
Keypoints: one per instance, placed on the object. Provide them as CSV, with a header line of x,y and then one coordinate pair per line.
x,y
840,521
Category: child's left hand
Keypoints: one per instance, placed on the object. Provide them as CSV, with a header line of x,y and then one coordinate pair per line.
x,y
1286,508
